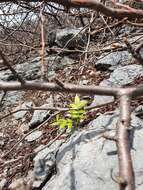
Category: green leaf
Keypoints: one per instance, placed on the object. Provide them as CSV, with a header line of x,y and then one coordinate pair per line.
x,y
76,99
79,105
63,123
55,123
74,115
69,123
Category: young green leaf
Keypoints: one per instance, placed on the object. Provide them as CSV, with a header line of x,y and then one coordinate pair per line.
x,y
76,99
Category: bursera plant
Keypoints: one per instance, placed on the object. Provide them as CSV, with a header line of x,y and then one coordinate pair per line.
x,y
74,115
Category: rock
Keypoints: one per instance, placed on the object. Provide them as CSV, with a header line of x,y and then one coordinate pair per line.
x,y
30,177
139,111
125,75
119,77
127,29
84,82
28,71
17,184
12,97
36,59
61,37
141,53
60,62
112,60
34,136
109,121
23,183
122,1
2,142
3,182
32,70
85,161
44,163
21,114
39,116
23,128
50,101
66,61
40,147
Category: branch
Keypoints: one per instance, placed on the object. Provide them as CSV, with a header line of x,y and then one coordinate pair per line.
x,y
70,88
126,173
135,53
94,5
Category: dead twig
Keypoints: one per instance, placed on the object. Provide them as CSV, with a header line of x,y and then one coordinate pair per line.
x,y
15,145
135,53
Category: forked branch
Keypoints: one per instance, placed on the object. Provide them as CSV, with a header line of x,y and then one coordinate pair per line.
x,y
126,174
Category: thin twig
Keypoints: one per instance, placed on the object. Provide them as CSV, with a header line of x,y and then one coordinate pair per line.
x,y
88,40
51,142
134,53
87,108
15,145
44,67
3,96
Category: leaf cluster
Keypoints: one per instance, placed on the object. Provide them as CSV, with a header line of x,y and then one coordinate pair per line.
x,y
75,114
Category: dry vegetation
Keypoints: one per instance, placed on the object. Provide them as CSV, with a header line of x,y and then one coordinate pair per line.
x,y
24,31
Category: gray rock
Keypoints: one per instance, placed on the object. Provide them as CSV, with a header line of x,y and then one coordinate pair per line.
x,y
44,162
28,71
139,111
109,121
125,29
3,182
32,71
21,114
84,82
119,77
85,161
34,136
23,127
19,184
61,37
66,61
125,75
112,60
12,97
2,142
122,1
50,101
141,53
36,59
39,116
56,62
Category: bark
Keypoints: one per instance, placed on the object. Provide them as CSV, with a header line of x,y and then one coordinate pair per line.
x,y
94,5
126,173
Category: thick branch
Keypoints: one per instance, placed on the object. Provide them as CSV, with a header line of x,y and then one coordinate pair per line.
x,y
94,5
126,174
71,88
